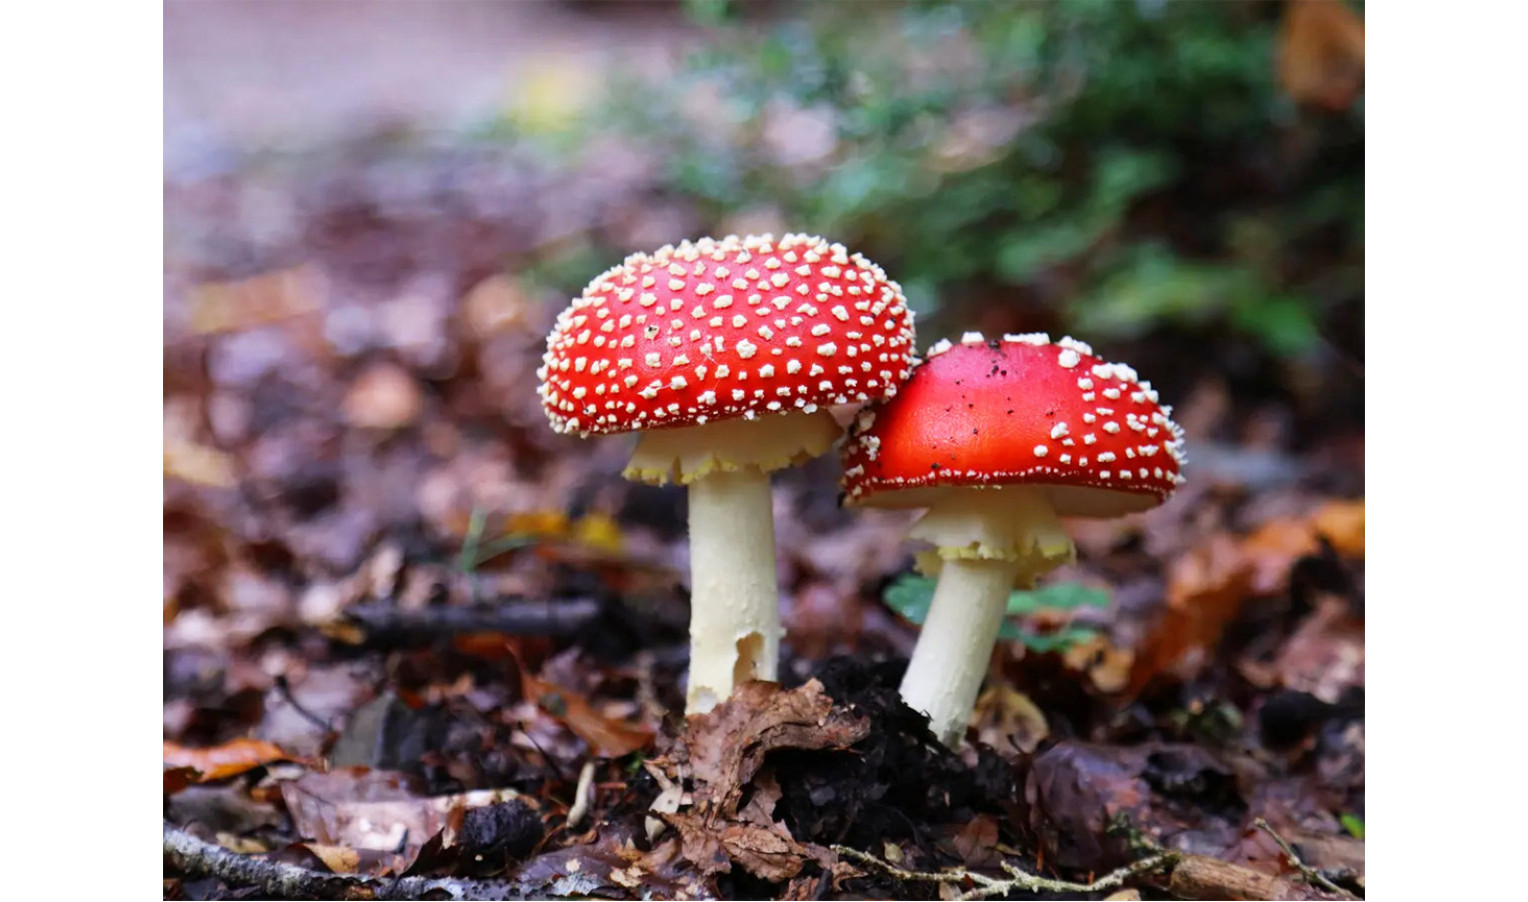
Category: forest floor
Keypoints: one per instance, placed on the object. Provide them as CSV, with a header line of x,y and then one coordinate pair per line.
x,y
418,645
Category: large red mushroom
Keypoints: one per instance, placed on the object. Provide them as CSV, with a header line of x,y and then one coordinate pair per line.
x,y
725,355
997,439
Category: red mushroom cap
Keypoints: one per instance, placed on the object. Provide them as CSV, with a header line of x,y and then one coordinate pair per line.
x,y
713,330
1021,410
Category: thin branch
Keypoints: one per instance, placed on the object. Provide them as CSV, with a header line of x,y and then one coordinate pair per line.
x,y
1312,874
1017,879
278,880
385,622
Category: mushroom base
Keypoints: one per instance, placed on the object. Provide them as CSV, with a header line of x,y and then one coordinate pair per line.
x,y
734,602
951,657
770,442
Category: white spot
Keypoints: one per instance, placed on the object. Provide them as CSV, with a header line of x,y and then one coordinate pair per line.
x,y
1068,358
746,349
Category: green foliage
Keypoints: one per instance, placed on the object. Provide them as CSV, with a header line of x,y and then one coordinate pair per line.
x,y
1353,824
1126,164
911,596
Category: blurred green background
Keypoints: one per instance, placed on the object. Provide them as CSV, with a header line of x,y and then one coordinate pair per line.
x,y
1121,170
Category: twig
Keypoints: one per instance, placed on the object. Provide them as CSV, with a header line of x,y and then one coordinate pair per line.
x,y
563,617
287,881
285,689
1018,879
582,794
1312,874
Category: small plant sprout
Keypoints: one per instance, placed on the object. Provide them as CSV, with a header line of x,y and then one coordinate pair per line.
x,y
997,439
725,355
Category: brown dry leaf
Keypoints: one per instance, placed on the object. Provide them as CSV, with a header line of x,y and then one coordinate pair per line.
x,y
218,307
384,396
975,842
1321,53
178,778
220,761
722,752
186,457
606,737
1325,654
764,851
1108,667
1342,523
363,809
761,804
1006,718
494,305
726,746
1275,546
1205,590
338,859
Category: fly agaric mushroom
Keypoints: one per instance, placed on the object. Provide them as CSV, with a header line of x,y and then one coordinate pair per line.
x,y
699,347
997,439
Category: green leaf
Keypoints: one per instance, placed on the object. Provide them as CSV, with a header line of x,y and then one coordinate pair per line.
x,y
1057,596
911,596
1353,824
1044,643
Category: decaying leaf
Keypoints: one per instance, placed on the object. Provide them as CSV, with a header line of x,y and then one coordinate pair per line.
x,y
1274,547
606,737
1007,718
338,859
383,811
1321,53
1205,591
724,748
722,752
244,304
221,761
1107,667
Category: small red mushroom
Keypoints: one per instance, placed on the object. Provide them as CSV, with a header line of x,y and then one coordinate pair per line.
x,y
726,355
997,439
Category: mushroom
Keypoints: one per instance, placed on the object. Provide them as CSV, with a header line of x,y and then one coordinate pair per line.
x,y
997,439
725,355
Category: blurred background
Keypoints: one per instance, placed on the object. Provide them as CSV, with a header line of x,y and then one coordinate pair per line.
x,y
374,211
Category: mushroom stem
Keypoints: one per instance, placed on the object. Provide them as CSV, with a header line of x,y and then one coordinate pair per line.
x,y
734,603
985,541
951,657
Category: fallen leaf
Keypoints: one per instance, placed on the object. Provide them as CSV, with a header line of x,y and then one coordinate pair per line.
x,y
384,811
1321,53
1107,667
764,851
1085,800
606,737
975,842
338,859
1325,654
1205,591
235,306
726,746
384,396
221,761
1007,718
494,305
722,752
1342,524
1273,547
